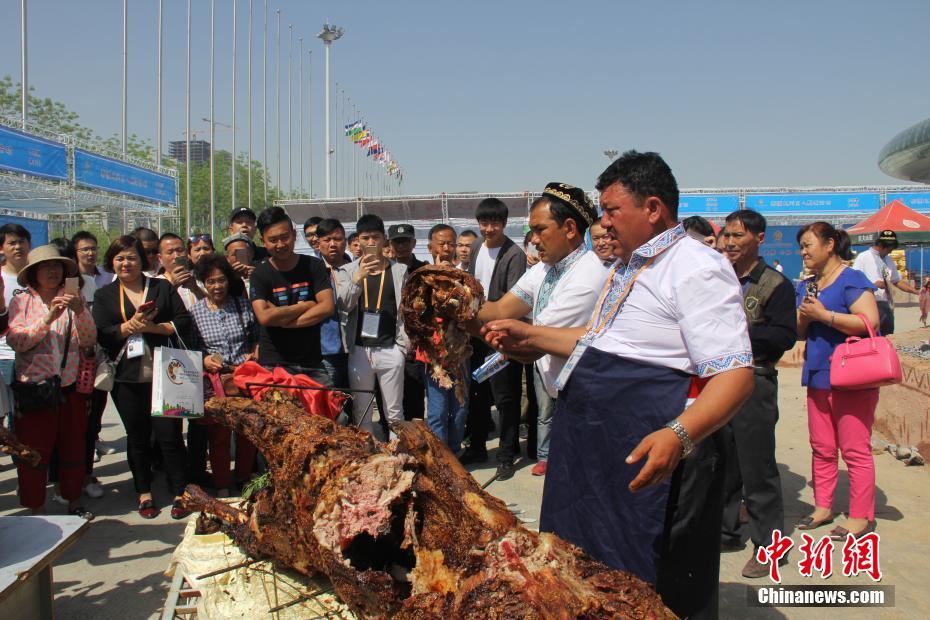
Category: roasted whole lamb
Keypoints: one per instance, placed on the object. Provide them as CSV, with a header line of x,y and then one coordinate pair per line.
x,y
402,530
14,447
436,301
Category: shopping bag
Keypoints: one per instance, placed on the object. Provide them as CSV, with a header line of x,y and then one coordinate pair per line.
x,y
177,383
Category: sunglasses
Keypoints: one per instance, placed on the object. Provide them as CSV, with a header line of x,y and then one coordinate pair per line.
x,y
198,238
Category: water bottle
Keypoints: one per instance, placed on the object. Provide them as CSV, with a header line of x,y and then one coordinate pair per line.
x,y
491,366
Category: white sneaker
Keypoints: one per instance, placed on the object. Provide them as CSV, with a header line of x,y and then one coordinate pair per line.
x,y
106,449
58,499
93,490
96,456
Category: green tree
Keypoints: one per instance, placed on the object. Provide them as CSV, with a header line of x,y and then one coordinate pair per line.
x,y
43,112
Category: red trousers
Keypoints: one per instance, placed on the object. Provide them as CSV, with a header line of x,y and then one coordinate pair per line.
x,y
45,430
219,445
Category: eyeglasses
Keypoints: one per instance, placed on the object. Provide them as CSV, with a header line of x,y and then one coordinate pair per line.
x,y
90,250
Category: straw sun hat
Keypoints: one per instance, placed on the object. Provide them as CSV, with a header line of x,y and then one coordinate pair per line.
x,y
42,254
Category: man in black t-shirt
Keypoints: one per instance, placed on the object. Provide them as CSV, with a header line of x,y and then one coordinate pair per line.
x,y
291,296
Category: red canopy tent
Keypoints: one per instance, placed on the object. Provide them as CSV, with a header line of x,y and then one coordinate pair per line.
x,y
910,226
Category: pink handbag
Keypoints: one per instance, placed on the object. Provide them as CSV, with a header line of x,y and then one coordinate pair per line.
x,y
863,363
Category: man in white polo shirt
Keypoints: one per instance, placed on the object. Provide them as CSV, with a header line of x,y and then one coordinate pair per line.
x,y
878,267
669,316
559,291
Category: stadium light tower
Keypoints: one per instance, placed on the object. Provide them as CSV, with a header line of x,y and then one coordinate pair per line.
x,y
329,34
611,154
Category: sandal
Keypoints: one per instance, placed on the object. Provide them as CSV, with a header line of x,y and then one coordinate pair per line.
x,y
80,511
147,509
841,533
808,523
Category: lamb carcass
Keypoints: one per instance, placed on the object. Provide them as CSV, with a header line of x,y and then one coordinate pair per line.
x,y
402,530
14,447
436,301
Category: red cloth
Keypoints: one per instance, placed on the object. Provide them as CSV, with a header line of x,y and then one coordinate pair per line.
x,y
326,403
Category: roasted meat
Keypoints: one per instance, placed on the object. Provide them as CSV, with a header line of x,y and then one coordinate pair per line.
x,y
402,530
436,301
14,447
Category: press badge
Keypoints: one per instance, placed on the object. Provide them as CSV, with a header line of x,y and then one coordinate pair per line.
x,y
370,323
135,346
569,366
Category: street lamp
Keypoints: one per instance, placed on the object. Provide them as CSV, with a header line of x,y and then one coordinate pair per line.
x,y
611,154
329,34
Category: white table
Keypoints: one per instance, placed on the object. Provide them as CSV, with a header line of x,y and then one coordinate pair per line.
x,y
28,546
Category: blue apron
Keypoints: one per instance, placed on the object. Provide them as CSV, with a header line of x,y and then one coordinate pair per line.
x,y
607,407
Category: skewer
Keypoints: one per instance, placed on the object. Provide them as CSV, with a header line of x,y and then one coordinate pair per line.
x,y
220,571
488,483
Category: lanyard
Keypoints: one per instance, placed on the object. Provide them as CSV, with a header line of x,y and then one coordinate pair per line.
x,y
122,298
380,291
592,329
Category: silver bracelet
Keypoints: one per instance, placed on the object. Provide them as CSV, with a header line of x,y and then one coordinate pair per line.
x,y
832,318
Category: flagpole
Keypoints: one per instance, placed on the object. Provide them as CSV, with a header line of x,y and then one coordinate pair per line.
x,y
277,94
310,122
187,156
158,84
250,107
265,176
212,106
290,133
125,72
233,178
300,111
24,51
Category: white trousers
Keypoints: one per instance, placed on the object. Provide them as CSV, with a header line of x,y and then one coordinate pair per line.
x,y
387,364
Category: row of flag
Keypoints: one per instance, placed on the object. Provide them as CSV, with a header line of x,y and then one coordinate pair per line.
x,y
359,134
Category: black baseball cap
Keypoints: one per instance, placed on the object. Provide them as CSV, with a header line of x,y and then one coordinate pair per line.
x,y
401,231
242,211
887,238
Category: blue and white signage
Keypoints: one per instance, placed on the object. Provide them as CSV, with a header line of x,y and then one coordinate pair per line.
x,y
813,204
115,176
712,205
21,152
918,201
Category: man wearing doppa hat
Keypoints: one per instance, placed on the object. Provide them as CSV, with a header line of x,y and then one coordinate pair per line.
x,y
878,267
559,291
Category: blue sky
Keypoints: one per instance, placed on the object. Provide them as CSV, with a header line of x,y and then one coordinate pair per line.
x,y
507,95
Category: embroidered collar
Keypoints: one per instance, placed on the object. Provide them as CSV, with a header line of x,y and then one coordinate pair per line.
x,y
566,263
660,242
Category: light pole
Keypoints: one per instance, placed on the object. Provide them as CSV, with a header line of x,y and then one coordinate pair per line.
x,y
250,107
277,94
300,112
187,138
158,82
233,171
611,154
265,175
212,105
310,122
125,71
290,133
328,35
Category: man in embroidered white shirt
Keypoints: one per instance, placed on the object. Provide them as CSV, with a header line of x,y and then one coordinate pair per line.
x,y
559,291
671,311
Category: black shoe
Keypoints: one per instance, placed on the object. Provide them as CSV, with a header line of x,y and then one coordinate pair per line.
x,y
505,470
473,455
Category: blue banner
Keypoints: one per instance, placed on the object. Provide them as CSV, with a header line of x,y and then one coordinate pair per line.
x,y
813,204
918,201
122,178
714,205
21,152
38,229
781,245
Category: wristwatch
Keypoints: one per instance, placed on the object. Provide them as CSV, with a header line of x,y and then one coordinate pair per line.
x,y
687,446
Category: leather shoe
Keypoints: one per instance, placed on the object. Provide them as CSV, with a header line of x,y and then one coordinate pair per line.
x,y
178,511
753,569
539,469
473,455
147,509
505,470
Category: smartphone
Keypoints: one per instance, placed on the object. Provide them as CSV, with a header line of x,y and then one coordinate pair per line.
x,y
812,290
146,307
72,286
242,256
183,261
370,250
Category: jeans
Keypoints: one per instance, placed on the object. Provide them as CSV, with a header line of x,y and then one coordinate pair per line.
x,y
445,415
317,373
546,405
6,372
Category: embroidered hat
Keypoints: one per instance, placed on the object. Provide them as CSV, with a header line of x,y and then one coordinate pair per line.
x,y
574,198
42,254
887,237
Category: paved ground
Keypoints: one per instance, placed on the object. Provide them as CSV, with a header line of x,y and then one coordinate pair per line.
x,y
115,570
